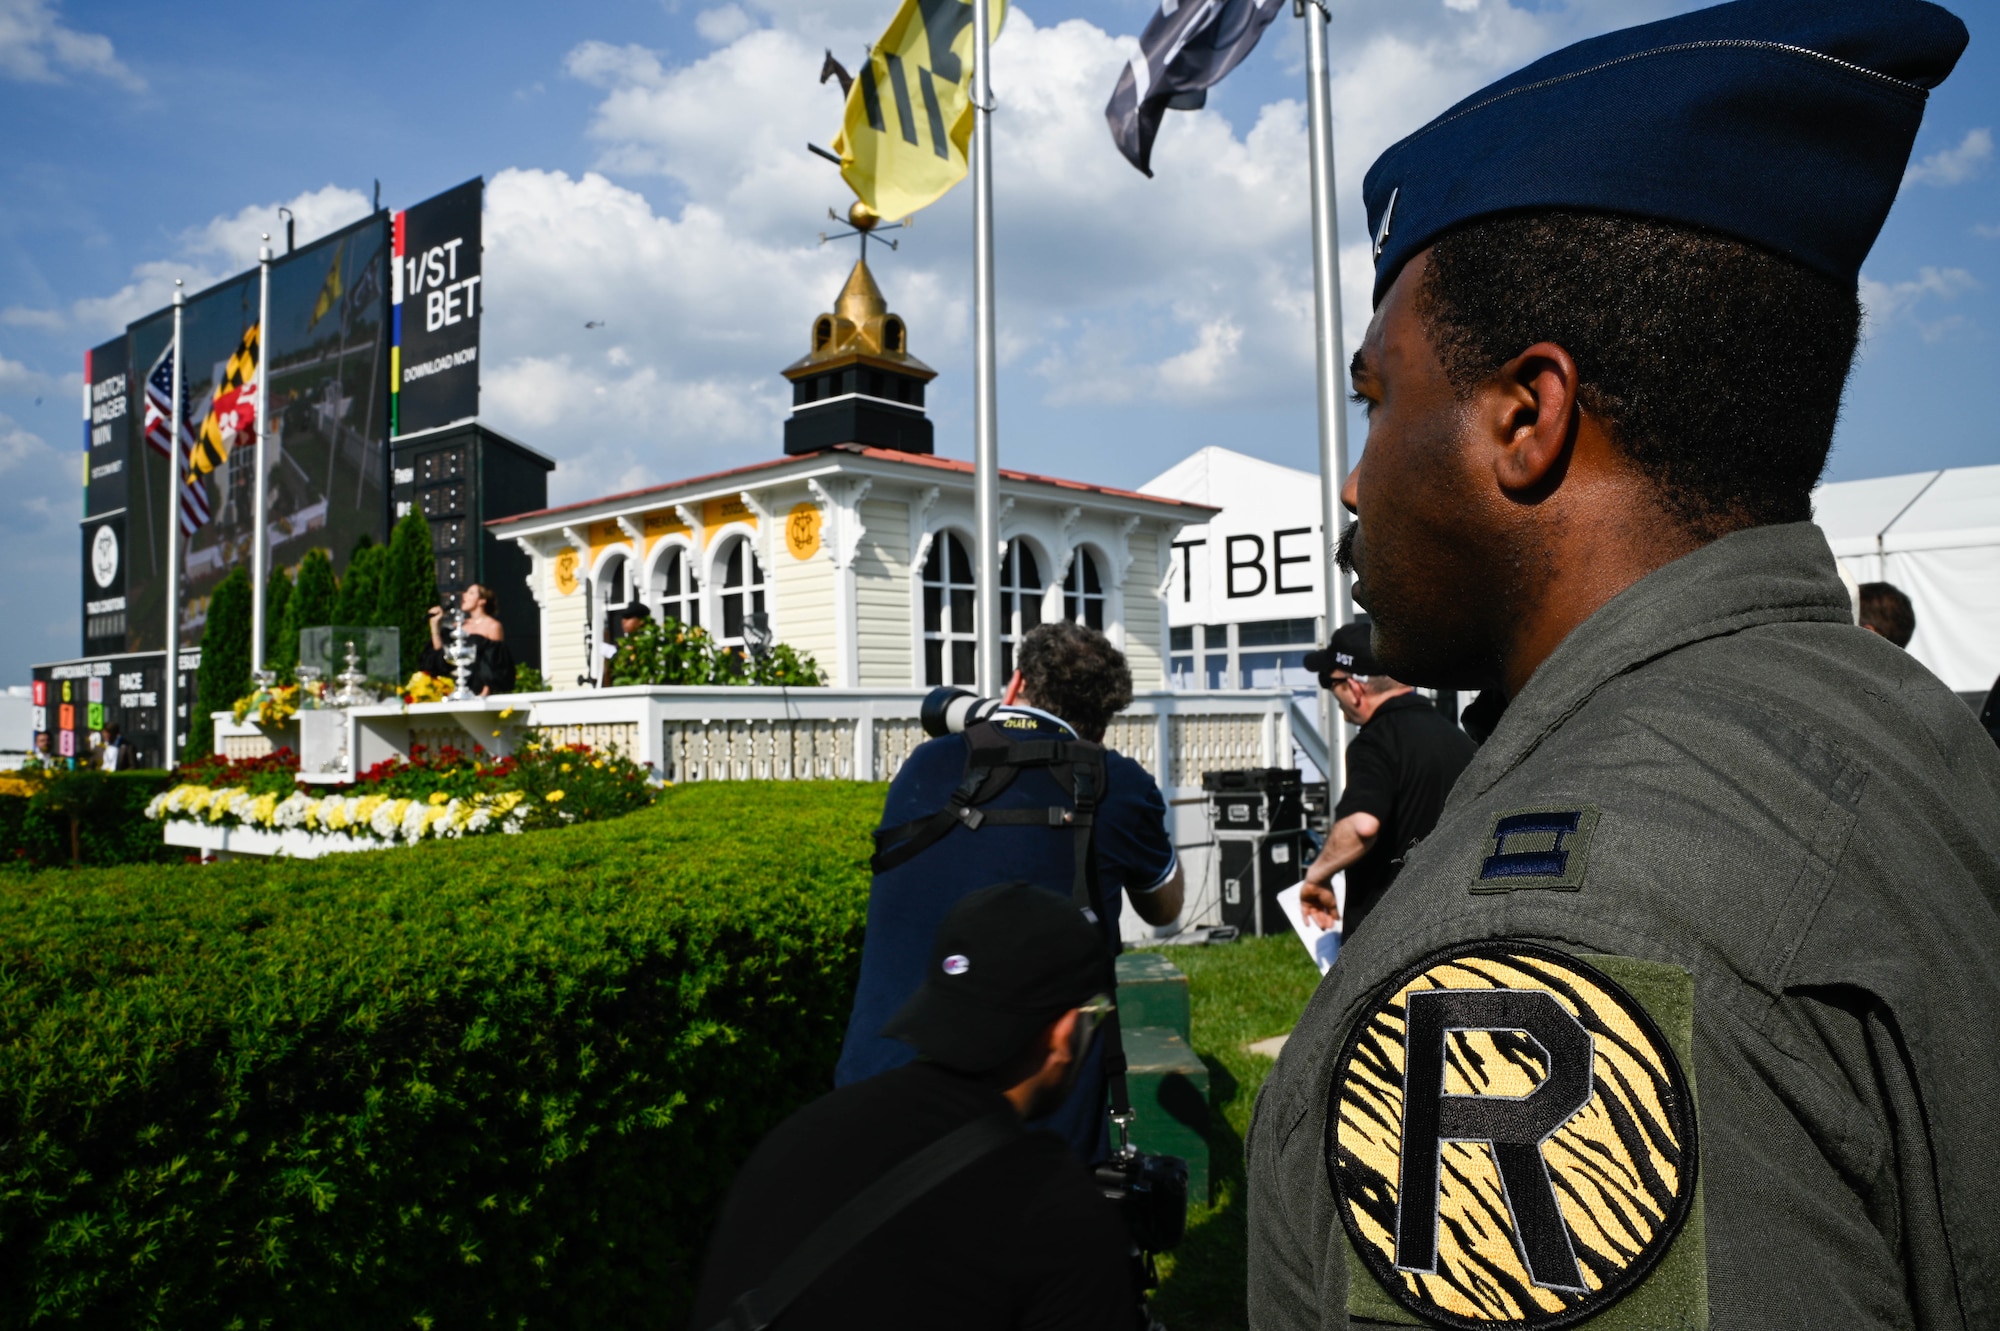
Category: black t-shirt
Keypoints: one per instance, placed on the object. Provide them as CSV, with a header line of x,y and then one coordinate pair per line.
x,y
1019,1239
1399,768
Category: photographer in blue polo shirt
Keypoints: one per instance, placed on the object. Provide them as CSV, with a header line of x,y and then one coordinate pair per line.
x,y
1070,683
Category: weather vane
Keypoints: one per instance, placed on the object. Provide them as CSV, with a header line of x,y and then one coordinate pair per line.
x,y
867,224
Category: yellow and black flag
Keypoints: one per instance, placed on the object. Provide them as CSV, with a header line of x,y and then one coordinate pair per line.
x,y
903,141
232,413
330,291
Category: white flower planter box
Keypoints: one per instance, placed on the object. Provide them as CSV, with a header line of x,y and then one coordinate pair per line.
x,y
223,840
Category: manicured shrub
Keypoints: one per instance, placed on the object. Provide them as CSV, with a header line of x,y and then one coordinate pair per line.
x,y
671,652
225,658
110,823
277,600
493,1083
360,586
409,588
312,600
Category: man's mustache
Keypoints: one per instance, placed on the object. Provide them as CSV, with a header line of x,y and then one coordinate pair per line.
x,y
1343,550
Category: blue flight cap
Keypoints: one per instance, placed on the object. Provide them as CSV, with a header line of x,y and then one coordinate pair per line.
x,y
1786,123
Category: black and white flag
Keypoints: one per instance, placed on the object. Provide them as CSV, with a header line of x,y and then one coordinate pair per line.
x,y
1188,48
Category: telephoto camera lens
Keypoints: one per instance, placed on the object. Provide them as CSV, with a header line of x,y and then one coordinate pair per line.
x,y
948,711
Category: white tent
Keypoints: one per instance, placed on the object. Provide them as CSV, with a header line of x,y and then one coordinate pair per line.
x,y
1936,535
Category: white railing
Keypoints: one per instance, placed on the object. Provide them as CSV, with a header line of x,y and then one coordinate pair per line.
x,y
738,734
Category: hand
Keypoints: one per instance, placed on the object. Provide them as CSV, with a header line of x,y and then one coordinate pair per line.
x,y
436,613
1318,904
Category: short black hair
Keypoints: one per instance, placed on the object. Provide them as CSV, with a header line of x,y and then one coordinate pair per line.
x,y
1076,673
1886,609
1717,365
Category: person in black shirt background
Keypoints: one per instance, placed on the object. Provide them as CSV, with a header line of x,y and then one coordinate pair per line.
x,y
1019,1238
1400,767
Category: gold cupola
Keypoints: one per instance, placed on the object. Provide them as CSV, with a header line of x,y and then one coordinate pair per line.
x,y
858,384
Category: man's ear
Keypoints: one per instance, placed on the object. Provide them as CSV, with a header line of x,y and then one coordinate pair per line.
x,y
1530,409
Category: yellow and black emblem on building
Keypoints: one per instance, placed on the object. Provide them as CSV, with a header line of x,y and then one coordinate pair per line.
x,y
1511,1138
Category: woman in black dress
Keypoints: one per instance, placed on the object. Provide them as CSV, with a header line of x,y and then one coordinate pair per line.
x,y
492,662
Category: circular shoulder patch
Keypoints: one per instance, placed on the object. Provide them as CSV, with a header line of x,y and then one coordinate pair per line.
x,y
1510,1138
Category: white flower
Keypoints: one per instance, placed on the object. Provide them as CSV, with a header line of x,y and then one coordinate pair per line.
x,y
387,818
412,825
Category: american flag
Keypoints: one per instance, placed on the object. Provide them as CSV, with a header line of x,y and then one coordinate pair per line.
x,y
159,411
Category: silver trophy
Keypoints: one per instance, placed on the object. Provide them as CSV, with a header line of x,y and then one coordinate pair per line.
x,y
461,654
353,682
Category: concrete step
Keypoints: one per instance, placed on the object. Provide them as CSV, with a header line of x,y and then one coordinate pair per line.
x,y
1169,1088
1152,992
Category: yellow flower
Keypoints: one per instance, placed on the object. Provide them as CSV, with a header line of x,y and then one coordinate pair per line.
x,y
565,767
598,763
505,712
440,797
496,734
263,809
554,797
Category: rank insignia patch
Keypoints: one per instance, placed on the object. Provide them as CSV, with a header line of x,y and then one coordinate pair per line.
x,y
1511,1138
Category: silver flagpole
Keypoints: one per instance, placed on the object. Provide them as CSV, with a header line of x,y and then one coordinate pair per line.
x,y
259,541
1329,360
986,417
174,543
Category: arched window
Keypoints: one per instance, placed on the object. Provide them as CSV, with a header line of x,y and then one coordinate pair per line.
x,y
1083,591
675,587
742,590
1020,600
611,590
950,639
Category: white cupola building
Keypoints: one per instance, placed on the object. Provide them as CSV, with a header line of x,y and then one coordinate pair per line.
x,y
858,542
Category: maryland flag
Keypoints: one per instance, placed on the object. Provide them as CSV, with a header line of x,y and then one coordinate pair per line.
x,y
902,143
329,293
232,414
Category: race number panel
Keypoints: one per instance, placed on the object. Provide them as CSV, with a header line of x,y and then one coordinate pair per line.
x,y
1511,1138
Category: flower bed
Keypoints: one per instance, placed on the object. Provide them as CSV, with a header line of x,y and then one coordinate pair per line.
x,y
430,796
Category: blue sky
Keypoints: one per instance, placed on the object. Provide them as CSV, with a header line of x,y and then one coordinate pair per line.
x,y
647,170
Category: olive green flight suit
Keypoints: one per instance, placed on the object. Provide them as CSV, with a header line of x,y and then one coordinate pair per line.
x,y
1796,814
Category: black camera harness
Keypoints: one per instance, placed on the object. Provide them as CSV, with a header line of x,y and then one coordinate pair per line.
x,y
992,762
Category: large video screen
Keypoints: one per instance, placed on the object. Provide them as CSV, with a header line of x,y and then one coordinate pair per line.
x,y
325,452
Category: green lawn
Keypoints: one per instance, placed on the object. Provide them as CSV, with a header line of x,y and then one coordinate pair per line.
x,y
1241,992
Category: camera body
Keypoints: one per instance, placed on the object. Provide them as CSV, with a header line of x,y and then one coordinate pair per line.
x,y
1151,1193
948,711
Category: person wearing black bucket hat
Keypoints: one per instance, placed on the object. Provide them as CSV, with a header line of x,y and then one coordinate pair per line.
x,y
1017,1235
1717,832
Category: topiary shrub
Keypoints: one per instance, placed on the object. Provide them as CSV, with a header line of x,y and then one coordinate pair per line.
x,y
490,1083
278,600
225,658
409,587
360,585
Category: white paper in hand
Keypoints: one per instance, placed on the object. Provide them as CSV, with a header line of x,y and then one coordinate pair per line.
x,y
1323,944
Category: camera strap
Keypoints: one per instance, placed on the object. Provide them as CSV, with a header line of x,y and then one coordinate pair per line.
x,y
866,1212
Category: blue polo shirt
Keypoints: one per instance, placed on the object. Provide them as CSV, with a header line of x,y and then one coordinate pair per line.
x,y
906,904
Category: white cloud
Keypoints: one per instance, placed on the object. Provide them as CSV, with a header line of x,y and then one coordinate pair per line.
x,y
17,380
20,447
207,254
1986,231
1889,303
37,47
603,65
723,25
1956,165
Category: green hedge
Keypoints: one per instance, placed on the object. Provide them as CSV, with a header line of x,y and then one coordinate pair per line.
x,y
488,1083
111,828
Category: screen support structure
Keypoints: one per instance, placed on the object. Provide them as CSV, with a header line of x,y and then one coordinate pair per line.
x,y
260,546
986,416
171,736
1328,359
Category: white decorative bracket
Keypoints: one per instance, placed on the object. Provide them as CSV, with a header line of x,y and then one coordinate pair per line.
x,y
1066,540
1125,530
766,530
691,519
920,521
635,533
841,512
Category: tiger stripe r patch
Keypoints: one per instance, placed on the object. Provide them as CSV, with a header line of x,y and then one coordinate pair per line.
x,y
1511,1138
